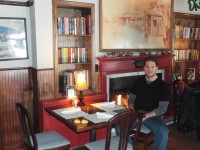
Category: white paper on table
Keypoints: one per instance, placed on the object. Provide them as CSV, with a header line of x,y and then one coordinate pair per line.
x,y
101,115
71,110
108,104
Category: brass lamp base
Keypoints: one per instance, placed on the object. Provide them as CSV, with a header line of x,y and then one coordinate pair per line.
x,y
81,97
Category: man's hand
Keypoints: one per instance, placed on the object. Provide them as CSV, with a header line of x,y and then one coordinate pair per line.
x,y
149,115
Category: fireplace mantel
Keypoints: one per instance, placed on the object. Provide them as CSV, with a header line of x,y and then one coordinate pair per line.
x,y
114,65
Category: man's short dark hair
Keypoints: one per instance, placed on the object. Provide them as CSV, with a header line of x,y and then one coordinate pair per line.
x,y
151,58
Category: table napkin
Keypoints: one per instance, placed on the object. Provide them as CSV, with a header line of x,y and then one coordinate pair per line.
x,y
108,104
71,110
101,115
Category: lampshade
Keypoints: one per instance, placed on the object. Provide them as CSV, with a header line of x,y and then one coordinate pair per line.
x,y
80,80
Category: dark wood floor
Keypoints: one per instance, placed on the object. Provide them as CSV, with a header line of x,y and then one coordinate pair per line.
x,y
181,141
177,141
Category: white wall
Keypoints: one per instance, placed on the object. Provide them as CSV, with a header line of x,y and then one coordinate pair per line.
x,y
18,12
42,34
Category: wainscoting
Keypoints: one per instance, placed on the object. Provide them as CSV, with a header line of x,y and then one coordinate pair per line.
x,y
27,86
15,86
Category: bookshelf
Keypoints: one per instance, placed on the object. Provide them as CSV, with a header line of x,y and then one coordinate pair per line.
x,y
73,39
186,44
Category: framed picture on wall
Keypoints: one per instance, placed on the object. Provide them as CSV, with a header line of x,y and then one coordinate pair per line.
x,y
191,73
133,25
13,39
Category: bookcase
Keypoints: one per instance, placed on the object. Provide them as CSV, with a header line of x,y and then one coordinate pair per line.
x,y
73,39
186,45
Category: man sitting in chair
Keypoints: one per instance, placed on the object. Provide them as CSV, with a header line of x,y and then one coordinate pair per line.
x,y
150,95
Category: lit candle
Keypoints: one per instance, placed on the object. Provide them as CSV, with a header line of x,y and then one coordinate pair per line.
x,y
119,99
75,102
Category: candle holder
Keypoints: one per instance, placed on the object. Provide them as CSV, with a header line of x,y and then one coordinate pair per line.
x,y
81,85
81,97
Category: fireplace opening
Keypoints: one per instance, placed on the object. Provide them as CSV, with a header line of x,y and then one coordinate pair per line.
x,y
120,84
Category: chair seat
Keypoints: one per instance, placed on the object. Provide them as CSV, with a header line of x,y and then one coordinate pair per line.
x,y
44,140
144,129
100,144
50,139
145,136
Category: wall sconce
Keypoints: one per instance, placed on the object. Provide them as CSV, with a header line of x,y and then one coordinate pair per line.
x,y
81,84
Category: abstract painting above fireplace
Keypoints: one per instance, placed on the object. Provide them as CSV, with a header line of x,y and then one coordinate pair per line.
x,y
134,24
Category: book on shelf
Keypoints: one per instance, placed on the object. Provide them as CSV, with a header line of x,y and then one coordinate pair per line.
x,y
62,83
88,24
61,25
58,25
196,33
78,25
72,55
64,55
70,25
69,77
188,54
66,25
74,25
192,33
187,32
178,32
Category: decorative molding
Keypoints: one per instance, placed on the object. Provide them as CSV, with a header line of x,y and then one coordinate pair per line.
x,y
16,3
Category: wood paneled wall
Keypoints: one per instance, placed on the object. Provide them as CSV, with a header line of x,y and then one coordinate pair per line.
x,y
43,88
27,86
15,86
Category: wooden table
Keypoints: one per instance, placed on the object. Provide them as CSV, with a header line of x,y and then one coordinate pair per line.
x,y
78,127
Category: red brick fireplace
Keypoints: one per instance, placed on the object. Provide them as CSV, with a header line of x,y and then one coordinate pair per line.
x,y
116,65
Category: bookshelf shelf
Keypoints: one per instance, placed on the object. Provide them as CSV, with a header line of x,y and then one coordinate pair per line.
x,y
69,35
186,45
185,61
88,63
187,39
73,39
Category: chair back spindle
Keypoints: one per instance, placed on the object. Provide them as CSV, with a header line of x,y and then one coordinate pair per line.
x,y
44,140
26,124
125,121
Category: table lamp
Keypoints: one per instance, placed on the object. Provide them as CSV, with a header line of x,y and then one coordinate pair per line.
x,y
80,85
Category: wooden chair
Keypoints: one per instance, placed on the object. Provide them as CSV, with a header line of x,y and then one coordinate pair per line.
x,y
45,140
125,121
144,136
177,93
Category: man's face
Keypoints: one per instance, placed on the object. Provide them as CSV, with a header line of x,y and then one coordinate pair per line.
x,y
150,69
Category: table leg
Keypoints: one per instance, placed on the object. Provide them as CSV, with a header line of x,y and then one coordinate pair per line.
x,y
92,135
